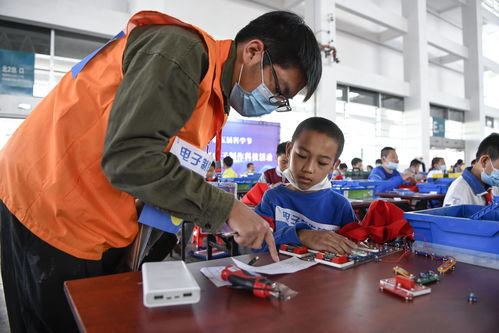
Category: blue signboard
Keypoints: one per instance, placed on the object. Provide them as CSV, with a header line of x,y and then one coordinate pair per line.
x,y
17,72
438,127
250,141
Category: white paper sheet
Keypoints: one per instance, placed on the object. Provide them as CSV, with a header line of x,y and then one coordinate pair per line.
x,y
213,273
290,265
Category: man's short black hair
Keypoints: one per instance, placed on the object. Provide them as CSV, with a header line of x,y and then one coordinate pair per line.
x,y
289,42
228,161
249,164
415,162
281,148
325,126
385,151
489,146
343,166
378,161
355,160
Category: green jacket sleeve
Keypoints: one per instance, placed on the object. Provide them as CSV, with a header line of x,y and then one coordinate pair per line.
x,y
162,70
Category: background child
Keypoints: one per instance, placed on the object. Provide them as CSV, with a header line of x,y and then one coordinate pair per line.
x,y
306,211
274,176
438,167
478,183
228,171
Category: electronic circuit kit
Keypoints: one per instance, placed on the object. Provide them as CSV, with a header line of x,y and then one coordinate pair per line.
x,y
366,252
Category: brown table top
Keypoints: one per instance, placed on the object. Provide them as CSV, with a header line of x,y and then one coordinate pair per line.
x,y
415,196
329,300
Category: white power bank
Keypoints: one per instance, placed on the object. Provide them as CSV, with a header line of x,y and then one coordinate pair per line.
x,y
168,283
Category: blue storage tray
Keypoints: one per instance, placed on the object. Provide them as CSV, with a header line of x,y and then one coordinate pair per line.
x,y
433,187
444,181
346,183
451,226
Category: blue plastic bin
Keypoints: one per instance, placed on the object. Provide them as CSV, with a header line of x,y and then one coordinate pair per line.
x,y
433,187
451,226
444,181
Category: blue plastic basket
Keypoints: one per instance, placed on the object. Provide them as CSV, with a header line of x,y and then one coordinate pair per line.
x,y
433,187
451,226
444,181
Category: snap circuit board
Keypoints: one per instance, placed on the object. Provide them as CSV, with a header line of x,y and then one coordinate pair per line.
x,y
366,253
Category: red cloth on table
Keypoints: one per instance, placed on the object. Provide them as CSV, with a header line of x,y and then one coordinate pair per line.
x,y
412,188
255,195
383,223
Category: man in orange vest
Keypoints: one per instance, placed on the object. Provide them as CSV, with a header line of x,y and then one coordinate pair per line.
x,y
115,129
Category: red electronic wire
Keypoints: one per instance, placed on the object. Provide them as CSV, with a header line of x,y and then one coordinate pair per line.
x,y
431,254
396,261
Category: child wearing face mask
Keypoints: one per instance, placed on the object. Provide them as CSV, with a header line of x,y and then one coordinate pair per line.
x,y
388,171
438,167
306,211
479,183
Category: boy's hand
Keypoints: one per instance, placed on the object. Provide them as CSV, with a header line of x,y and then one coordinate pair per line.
x,y
251,229
326,240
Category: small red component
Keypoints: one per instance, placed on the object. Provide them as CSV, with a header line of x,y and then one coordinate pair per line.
x,y
300,250
340,259
319,255
404,282
283,247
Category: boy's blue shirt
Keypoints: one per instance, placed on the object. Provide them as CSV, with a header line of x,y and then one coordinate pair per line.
x,y
292,211
394,179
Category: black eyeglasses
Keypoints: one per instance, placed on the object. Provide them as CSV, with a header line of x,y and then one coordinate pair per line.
x,y
279,100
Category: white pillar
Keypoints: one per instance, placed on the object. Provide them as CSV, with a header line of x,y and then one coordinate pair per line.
x,y
319,15
474,127
416,72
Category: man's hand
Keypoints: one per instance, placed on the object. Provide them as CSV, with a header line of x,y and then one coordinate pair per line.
x,y
326,240
251,229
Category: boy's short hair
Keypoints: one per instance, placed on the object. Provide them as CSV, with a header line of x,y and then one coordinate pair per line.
x,y
343,166
415,162
281,148
289,42
213,164
325,126
228,161
249,164
489,146
385,151
378,161
355,160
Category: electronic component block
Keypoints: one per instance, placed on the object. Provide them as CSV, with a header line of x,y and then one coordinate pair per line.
x,y
403,287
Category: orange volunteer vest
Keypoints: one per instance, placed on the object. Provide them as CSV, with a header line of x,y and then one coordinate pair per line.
x,y
50,170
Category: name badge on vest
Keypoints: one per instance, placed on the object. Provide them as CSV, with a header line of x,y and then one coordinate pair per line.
x,y
190,157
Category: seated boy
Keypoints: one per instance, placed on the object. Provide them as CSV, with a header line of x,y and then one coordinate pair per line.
x,y
274,176
479,183
228,171
307,211
388,171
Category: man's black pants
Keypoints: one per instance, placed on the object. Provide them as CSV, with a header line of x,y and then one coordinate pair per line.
x,y
33,275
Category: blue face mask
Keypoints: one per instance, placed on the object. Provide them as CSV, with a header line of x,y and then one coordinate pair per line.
x,y
443,168
392,165
251,104
492,179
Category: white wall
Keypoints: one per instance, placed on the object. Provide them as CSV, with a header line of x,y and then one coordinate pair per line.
x,y
99,18
220,18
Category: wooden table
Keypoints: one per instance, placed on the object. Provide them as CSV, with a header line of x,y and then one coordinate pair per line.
x,y
329,300
425,197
